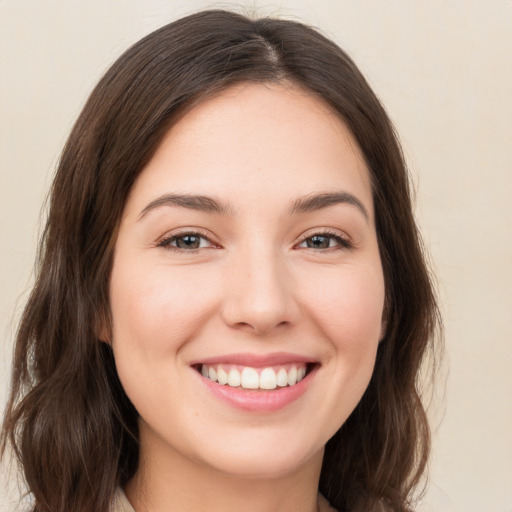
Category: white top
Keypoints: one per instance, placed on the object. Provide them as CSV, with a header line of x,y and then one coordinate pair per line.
x,y
121,503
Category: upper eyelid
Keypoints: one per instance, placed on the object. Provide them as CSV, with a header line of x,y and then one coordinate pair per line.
x,y
335,233
184,232
345,242
187,231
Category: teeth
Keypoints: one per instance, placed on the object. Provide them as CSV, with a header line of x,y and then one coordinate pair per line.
x,y
234,378
268,379
251,378
282,377
222,376
292,376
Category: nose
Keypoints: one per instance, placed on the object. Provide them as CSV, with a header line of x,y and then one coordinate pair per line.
x,y
259,294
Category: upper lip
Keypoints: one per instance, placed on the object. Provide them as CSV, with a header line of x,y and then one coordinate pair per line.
x,y
256,360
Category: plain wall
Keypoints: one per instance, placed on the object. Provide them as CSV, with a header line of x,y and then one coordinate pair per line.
x,y
443,69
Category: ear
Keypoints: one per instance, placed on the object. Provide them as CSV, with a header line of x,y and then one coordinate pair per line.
x,y
384,322
103,330
102,336
383,329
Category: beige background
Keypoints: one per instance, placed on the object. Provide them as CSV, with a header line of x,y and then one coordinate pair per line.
x,y
443,68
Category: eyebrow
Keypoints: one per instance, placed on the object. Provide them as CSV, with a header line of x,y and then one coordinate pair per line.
x,y
305,204
314,202
190,201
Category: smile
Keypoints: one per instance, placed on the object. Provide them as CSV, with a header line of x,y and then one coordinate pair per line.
x,y
271,377
257,383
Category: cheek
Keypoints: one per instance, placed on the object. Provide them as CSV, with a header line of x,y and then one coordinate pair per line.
x,y
155,310
348,310
154,305
348,306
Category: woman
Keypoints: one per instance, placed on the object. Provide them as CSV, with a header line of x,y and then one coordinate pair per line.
x,y
232,304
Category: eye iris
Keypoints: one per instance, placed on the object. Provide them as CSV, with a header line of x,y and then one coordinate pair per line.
x,y
318,242
188,242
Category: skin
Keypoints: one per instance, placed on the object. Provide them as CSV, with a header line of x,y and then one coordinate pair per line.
x,y
252,286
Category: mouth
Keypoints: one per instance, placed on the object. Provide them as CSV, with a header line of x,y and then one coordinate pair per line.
x,y
254,378
257,383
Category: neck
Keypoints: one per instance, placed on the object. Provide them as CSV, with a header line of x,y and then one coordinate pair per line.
x,y
166,481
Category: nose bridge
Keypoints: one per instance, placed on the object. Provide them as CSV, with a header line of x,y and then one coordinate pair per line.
x,y
260,295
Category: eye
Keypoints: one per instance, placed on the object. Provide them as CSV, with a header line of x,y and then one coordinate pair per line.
x,y
189,241
325,241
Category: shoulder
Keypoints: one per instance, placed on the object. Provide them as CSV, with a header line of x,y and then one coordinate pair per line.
x,y
325,506
120,502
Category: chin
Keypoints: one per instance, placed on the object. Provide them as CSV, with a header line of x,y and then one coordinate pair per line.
x,y
262,464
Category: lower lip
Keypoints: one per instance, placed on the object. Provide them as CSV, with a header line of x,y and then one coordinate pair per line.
x,y
259,400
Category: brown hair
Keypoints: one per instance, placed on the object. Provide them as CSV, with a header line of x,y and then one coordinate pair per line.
x,y
71,425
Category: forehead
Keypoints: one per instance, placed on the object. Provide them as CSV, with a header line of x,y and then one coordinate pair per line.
x,y
275,140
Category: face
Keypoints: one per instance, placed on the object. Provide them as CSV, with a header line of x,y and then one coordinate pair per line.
x,y
247,290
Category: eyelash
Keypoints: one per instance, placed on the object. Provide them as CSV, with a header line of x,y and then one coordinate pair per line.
x,y
341,241
165,243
